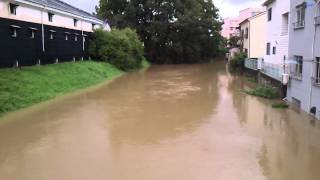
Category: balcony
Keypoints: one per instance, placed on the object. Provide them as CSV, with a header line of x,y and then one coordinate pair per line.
x,y
251,64
274,71
298,25
317,20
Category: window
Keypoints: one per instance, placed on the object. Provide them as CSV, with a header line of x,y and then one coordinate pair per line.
x,y
300,15
93,26
317,71
247,33
51,34
75,22
66,36
269,14
50,17
268,48
274,50
299,66
13,8
14,30
76,37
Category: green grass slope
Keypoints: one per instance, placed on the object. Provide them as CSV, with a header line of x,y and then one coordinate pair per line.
x,y
31,85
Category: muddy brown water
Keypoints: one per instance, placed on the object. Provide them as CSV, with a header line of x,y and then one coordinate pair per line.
x,y
187,122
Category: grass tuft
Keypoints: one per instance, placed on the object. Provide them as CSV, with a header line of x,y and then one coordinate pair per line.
x,y
264,91
280,105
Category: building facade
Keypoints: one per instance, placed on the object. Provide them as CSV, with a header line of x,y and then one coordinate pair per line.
x,y
304,53
277,36
43,31
253,36
230,26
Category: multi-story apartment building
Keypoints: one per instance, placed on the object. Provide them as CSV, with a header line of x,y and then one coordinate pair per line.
x,y
253,36
304,51
230,26
43,31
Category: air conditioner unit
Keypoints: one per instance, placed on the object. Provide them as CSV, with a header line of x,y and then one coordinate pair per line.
x,y
285,79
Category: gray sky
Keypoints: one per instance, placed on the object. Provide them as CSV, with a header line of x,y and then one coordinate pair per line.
x,y
227,7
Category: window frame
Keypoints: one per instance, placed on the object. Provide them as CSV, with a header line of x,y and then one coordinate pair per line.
x,y
268,49
274,50
298,66
300,16
50,17
270,14
75,22
13,8
316,75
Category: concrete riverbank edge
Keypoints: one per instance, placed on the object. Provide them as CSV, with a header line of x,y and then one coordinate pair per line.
x,y
21,89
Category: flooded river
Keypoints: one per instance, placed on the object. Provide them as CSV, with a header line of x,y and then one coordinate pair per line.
x,y
187,122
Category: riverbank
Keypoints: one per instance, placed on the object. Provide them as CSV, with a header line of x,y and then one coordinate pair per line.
x,y
32,85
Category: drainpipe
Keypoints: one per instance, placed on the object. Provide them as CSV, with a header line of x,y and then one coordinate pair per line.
x,y
42,29
313,52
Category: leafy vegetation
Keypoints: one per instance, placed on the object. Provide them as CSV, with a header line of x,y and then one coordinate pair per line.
x,y
264,91
173,31
280,105
31,85
238,60
121,48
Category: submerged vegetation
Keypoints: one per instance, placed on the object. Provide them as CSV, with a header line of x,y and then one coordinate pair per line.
x,y
280,105
264,91
31,85
237,62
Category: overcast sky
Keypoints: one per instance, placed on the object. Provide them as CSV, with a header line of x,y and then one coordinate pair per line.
x,y
227,7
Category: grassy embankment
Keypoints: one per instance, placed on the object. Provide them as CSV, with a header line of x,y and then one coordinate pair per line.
x,y
31,85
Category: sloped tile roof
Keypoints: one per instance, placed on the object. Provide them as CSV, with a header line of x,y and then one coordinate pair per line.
x,y
62,6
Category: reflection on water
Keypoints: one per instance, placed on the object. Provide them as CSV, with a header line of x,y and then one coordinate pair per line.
x,y
170,122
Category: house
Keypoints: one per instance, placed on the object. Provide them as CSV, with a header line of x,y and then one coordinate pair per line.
x,y
230,25
253,36
304,53
230,28
43,31
277,38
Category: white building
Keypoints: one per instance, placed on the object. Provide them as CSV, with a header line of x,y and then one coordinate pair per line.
x,y
277,38
45,31
304,50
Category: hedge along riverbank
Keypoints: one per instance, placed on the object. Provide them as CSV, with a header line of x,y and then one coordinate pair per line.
x,y
121,48
31,85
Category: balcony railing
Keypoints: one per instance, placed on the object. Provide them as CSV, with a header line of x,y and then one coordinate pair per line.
x,y
298,25
251,64
317,20
274,71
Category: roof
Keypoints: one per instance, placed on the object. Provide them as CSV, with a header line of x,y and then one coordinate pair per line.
x,y
62,6
267,2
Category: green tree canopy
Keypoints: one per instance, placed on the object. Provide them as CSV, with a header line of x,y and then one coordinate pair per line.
x,y
173,31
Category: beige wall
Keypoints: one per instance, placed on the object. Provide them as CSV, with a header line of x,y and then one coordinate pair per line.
x,y
245,41
257,35
35,14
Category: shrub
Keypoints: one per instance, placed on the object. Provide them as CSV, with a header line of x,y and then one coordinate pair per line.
x,y
280,105
264,91
122,48
238,60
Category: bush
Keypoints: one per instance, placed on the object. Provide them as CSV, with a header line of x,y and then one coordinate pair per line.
x,y
122,48
264,91
238,60
280,105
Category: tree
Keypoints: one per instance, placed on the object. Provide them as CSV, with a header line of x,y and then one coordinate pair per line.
x,y
173,31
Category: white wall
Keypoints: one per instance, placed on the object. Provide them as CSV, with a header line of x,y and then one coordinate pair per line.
x,y
274,32
31,13
300,44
